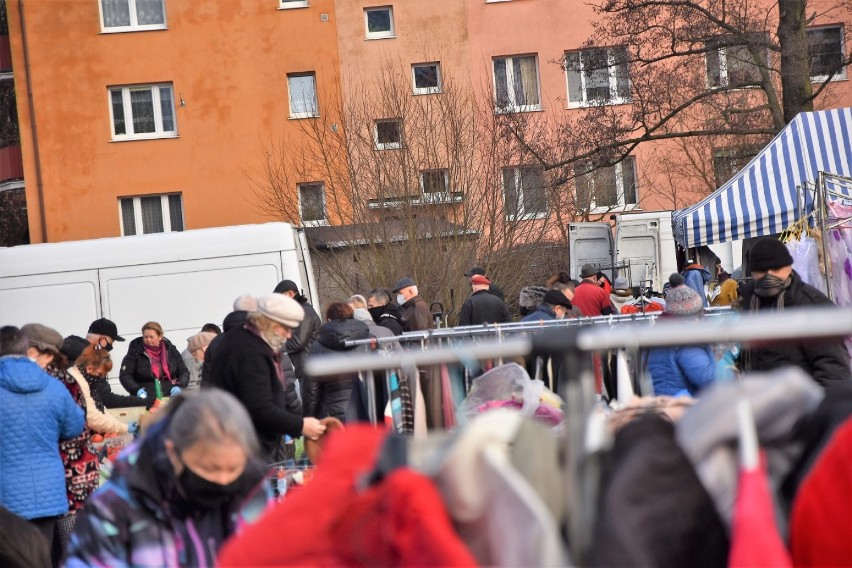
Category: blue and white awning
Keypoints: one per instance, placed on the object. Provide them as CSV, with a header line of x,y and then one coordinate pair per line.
x,y
764,197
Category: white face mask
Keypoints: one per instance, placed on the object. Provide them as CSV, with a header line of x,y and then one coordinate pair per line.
x,y
400,299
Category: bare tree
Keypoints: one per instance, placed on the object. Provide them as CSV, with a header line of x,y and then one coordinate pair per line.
x,y
732,73
419,185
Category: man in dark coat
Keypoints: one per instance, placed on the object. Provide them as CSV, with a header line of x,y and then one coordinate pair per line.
x,y
242,307
492,288
385,313
416,315
776,286
482,306
248,365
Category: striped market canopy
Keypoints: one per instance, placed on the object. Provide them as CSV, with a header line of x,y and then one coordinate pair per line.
x,y
764,197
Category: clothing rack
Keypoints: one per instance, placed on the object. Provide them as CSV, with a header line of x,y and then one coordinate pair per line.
x,y
823,194
469,331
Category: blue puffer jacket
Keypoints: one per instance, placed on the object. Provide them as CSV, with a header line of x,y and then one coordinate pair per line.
x,y
682,371
36,412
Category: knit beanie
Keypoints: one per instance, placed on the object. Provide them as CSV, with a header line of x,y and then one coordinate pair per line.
x,y
769,254
42,337
199,340
683,301
283,309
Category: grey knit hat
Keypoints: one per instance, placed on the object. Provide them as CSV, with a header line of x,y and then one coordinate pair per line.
x,y
683,301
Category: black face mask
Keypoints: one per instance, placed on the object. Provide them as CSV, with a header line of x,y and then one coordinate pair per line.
x,y
108,346
771,286
207,494
376,312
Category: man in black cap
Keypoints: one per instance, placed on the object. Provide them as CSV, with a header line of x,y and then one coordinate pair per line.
x,y
416,315
776,286
492,289
102,332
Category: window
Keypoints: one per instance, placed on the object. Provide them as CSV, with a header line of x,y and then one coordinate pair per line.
x,y
143,111
285,4
427,78
379,22
303,95
132,15
728,161
312,204
733,65
388,134
605,189
516,84
524,194
597,77
435,186
826,48
151,214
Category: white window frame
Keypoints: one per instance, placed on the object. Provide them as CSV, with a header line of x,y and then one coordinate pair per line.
x,y
435,196
317,222
387,145
841,75
128,116
293,114
724,81
426,90
291,4
510,82
619,180
133,27
137,213
613,83
379,35
522,215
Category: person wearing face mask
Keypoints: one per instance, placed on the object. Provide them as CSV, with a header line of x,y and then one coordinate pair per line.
x,y
776,286
416,315
384,313
177,494
102,334
36,413
248,364
152,358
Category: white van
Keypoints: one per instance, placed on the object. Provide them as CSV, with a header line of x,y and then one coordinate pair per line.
x,y
642,248
181,280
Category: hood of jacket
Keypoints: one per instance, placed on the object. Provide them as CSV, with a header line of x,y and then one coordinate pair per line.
x,y
19,374
705,274
387,311
335,333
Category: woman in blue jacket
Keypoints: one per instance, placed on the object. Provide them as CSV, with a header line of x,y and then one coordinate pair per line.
x,y
36,412
681,371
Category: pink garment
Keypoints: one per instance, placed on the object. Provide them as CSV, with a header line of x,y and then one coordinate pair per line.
x,y
159,357
754,534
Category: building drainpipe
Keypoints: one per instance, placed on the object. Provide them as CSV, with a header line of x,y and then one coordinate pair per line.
x,y
36,157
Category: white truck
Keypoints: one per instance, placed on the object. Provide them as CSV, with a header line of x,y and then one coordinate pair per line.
x,y
181,280
642,242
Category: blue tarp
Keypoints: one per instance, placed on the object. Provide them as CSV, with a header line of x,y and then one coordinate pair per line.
x,y
764,197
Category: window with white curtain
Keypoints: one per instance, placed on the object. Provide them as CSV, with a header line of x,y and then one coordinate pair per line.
x,y
827,51
132,15
142,112
302,88
524,193
147,214
516,84
597,77
606,189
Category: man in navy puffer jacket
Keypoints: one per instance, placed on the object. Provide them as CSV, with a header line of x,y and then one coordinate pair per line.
x,y
36,411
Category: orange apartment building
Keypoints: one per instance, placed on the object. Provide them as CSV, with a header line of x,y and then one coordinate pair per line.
x,y
145,115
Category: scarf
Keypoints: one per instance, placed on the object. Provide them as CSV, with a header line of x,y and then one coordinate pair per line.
x,y
159,357
93,380
274,343
770,287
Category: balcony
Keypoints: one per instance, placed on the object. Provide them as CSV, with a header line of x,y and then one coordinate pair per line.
x,y
11,163
438,198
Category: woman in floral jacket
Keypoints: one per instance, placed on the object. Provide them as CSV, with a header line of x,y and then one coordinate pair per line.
x,y
178,493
